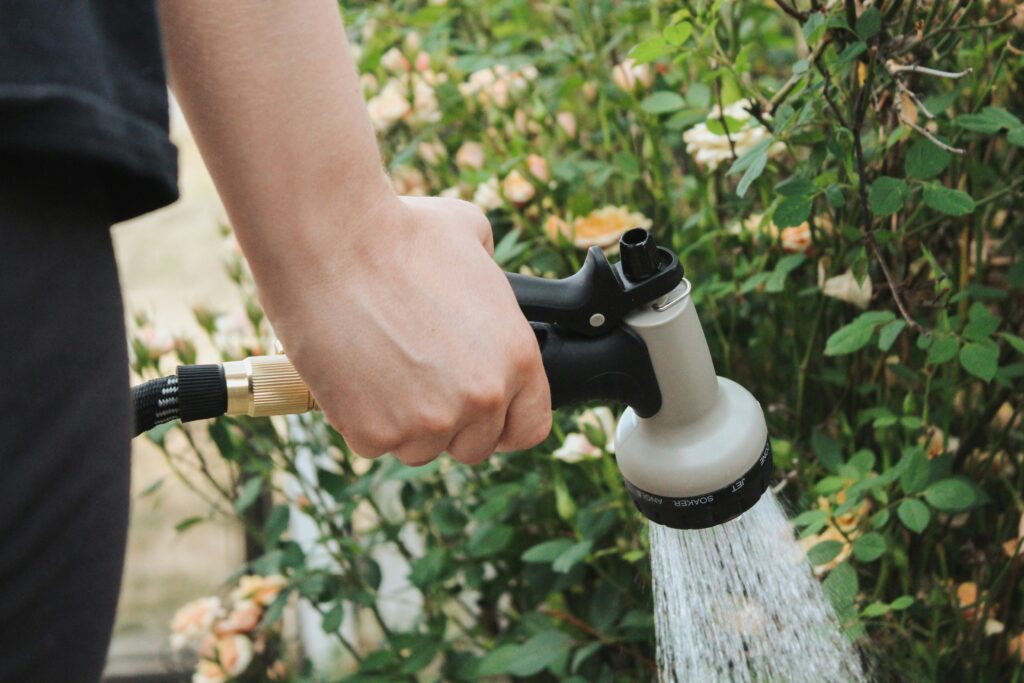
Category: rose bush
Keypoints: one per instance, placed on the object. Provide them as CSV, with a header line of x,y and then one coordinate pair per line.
x,y
843,182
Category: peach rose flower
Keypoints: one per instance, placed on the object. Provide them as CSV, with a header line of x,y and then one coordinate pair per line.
x,y
470,155
796,240
244,617
517,189
263,590
538,167
627,75
604,227
194,620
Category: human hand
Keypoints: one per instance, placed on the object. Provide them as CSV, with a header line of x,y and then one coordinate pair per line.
x,y
409,335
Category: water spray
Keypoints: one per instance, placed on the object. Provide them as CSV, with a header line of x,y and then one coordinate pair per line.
x,y
692,447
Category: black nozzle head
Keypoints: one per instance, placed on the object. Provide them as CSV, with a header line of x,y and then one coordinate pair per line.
x,y
639,254
710,509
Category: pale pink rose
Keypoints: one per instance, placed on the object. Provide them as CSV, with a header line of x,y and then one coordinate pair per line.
x,y
232,656
538,167
470,155
487,196
628,75
244,617
390,105
412,42
567,122
796,240
848,288
601,419
422,61
432,152
156,342
711,148
408,181
194,620
575,448
589,90
425,105
517,189
369,84
521,120
394,61
261,589
208,671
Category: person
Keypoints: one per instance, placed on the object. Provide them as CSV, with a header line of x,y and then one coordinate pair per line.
x,y
391,308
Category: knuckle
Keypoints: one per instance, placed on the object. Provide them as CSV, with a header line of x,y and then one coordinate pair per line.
x,y
433,423
472,454
486,398
415,456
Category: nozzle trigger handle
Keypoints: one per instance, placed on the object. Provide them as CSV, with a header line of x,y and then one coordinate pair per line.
x,y
613,367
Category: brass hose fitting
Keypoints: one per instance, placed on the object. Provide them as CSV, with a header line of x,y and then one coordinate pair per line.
x,y
261,386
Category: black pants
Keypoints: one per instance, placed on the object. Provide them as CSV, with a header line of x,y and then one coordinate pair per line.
x,y
64,424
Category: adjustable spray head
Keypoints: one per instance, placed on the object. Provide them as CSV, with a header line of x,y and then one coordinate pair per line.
x,y
692,447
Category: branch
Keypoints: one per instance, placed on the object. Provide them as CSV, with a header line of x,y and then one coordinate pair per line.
x,y
791,11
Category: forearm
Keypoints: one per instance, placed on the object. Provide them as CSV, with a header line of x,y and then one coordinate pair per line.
x,y
273,99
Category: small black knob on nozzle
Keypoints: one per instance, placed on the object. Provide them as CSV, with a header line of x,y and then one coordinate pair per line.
x,y
639,254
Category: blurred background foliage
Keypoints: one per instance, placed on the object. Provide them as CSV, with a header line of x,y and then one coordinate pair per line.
x,y
843,182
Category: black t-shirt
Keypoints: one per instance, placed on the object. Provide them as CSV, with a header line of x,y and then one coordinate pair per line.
x,y
86,78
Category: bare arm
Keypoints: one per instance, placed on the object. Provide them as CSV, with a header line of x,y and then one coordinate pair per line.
x,y
391,308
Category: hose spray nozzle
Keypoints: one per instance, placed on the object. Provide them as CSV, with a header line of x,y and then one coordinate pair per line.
x,y
692,447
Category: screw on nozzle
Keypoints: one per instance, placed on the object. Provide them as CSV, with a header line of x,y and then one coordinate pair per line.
x,y
639,254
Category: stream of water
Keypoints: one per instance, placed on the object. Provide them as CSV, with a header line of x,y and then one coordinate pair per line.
x,y
738,602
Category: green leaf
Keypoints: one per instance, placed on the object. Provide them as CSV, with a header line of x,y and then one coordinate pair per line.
x,y
875,609
981,323
497,661
791,212
749,157
809,517
786,265
490,539
947,201
571,557
548,551
914,514
849,338
869,23
187,523
886,195
539,652
901,603
1016,137
752,173
679,33
795,186
814,28
824,552
663,102
943,350
851,53
277,523
981,360
427,569
869,547
888,334
841,585
650,50
249,493
332,620
917,471
925,160
1014,341
988,120
951,495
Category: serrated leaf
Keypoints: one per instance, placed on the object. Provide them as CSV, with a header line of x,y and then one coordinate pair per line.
x,y
678,34
951,495
814,28
888,334
943,350
988,120
848,339
1016,137
809,517
752,173
917,471
1014,341
886,195
869,23
490,539
650,50
792,212
795,186
841,585
539,652
875,609
981,360
901,603
332,620
824,552
914,514
851,53
869,547
948,201
497,661
748,157
249,493
571,557
925,160
548,551
663,102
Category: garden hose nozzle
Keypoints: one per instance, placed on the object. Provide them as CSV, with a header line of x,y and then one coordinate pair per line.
x,y
692,447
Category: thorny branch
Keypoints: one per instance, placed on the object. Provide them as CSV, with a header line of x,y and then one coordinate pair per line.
x,y
894,70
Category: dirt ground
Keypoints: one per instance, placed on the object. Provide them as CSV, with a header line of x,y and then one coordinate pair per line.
x,y
170,261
